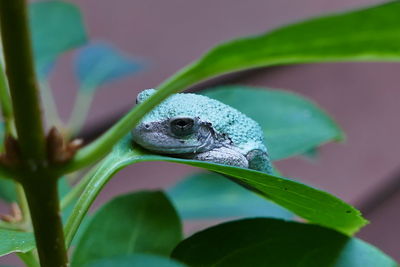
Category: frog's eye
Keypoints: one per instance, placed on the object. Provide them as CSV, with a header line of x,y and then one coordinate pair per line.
x,y
182,126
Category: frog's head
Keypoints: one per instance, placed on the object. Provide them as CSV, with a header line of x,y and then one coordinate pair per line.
x,y
164,133
177,135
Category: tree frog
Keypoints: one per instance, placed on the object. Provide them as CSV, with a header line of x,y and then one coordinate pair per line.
x,y
197,127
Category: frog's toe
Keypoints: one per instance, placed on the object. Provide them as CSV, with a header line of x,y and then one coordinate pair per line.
x,y
259,160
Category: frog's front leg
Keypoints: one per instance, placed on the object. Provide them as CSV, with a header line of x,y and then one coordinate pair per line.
x,y
223,155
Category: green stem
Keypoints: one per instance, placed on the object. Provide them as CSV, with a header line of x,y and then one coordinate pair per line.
x,y
42,196
40,187
6,172
21,78
77,190
98,178
5,101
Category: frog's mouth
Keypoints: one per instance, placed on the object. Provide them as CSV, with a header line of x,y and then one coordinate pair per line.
x,y
169,145
175,150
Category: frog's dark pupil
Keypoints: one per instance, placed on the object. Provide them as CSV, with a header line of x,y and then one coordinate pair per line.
x,y
182,126
182,123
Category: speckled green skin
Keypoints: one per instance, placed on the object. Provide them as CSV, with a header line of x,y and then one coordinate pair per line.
x,y
245,134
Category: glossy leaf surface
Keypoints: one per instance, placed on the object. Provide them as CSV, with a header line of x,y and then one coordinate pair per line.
x,y
209,195
309,203
15,241
269,242
368,34
292,124
137,260
142,222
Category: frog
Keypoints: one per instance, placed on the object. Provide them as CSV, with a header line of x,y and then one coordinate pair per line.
x,y
196,127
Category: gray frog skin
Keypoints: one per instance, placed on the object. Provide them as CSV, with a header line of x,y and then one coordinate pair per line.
x,y
197,127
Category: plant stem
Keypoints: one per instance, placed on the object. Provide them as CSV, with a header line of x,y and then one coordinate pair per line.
x,y
100,175
5,101
40,187
6,172
42,195
21,78
75,192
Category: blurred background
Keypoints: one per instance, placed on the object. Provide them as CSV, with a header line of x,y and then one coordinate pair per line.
x,y
166,35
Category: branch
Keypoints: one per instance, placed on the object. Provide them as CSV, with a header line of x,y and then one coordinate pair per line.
x,y
45,215
40,187
21,78
5,101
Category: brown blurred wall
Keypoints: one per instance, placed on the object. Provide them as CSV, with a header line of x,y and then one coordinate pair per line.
x,y
170,34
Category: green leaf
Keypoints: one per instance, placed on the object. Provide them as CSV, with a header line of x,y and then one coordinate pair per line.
x,y
292,124
14,241
143,222
63,189
100,63
7,190
137,260
270,242
371,34
309,203
311,154
57,27
210,195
